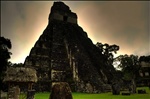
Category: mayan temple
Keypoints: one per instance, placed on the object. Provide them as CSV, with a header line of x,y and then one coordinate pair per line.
x,y
64,53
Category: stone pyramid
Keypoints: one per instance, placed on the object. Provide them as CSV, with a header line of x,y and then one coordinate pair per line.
x,y
64,53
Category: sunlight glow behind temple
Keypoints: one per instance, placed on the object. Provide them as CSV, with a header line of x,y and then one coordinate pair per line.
x,y
122,23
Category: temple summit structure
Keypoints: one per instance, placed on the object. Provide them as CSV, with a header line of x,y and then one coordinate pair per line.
x,y
65,53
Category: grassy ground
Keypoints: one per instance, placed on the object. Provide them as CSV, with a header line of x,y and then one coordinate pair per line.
x,y
99,96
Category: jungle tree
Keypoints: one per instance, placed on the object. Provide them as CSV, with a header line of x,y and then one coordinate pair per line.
x,y
107,50
5,46
129,65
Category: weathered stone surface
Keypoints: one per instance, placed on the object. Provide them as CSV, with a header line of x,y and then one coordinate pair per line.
x,y
3,95
64,53
14,92
61,90
89,88
20,74
63,13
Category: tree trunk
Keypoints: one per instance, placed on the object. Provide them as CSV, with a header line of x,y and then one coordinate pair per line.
x,y
132,86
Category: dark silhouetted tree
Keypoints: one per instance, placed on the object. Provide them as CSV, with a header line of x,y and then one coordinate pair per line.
x,y
107,52
5,46
129,65
107,59
145,59
18,65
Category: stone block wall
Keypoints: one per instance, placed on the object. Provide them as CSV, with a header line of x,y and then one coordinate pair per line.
x,y
14,92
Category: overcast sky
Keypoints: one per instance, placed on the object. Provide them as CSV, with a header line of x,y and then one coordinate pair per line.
x,y
124,23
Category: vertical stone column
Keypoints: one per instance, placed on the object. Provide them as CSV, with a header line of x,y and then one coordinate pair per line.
x,y
14,92
30,94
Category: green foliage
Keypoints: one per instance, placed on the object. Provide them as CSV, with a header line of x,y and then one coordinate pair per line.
x,y
145,58
107,51
127,61
17,65
129,65
5,45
